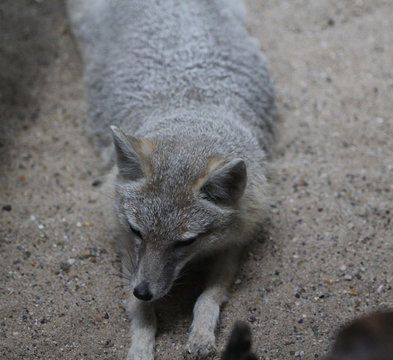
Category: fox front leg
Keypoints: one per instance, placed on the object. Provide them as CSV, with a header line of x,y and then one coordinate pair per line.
x,y
201,341
143,330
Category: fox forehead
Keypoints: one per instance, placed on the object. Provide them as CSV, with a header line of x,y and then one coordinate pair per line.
x,y
163,215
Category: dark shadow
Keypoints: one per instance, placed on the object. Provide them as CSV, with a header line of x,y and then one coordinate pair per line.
x,y
28,44
177,306
29,36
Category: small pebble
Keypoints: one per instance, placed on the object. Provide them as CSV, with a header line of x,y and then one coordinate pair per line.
x,y
348,277
96,183
65,267
109,343
331,22
343,267
238,281
7,207
252,319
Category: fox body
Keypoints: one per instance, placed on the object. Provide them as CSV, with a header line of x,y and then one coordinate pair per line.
x,y
189,100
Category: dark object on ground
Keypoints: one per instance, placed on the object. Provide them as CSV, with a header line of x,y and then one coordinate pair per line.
x,y
239,344
369,338
96,183
7,207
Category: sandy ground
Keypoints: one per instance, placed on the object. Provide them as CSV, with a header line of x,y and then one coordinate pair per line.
x,y
328,250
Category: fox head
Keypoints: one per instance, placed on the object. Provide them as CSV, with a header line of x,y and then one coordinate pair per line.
x,y
175,206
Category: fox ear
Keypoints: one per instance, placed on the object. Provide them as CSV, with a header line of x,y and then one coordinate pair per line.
x,y
132,155
227,183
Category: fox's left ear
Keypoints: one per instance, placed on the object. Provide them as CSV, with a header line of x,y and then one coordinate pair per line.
x,y
226,183
132,155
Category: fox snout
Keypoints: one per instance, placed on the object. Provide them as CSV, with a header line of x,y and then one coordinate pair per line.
x,y
154,274
143,292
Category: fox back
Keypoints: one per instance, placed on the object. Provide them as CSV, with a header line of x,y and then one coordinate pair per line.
x,y
191,103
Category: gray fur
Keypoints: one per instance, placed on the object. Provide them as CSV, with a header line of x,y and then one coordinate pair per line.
x,y
127,160
190,91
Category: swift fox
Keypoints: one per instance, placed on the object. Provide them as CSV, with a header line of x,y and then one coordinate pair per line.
x,y
180,99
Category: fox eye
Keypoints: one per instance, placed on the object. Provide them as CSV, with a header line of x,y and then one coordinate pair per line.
x,y
136,232
185,242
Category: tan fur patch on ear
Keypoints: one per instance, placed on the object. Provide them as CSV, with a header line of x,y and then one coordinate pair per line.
x,y
213,164
144,148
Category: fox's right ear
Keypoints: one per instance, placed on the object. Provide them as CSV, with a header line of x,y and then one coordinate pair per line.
x,y
132,155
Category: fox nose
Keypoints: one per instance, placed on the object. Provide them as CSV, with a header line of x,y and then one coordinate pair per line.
x,y
142,291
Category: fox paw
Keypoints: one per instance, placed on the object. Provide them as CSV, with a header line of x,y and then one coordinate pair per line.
x,y
139,354
200,347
